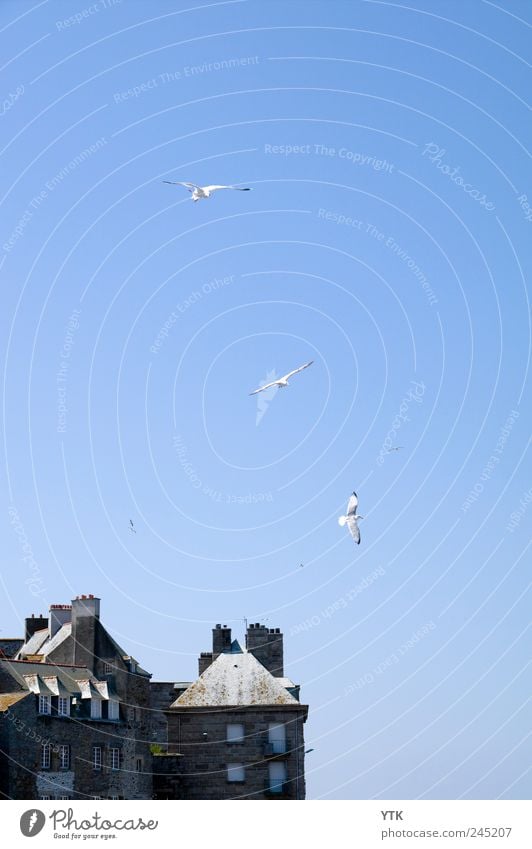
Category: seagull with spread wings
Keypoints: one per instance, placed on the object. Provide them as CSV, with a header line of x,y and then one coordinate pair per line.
x,y
281,381
351,517
199,192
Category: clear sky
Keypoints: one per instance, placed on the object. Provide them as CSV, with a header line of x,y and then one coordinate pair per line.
x,y
387,238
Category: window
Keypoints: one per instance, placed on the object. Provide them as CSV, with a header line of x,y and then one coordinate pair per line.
x,y
64,757
46,754
63,706
96,757
112,709
45,797
107,668
236,772
45,704
277,737
114,758
139,765
63,797
96,709
277,776
235,733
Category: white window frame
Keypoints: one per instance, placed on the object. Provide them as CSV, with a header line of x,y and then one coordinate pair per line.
x,y
236,773
235,732
276,782
63,706
97,757
64,756
45,798
46,756
277,737
45,705
96,708
114,758
113,709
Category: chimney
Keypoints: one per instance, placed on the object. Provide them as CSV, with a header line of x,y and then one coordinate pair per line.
x,y
34,623
204,661
266,645
60,614
221,640
85,621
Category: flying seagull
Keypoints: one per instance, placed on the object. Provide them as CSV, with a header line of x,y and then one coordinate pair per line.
x,y
132,527
199,192
350,519
281,381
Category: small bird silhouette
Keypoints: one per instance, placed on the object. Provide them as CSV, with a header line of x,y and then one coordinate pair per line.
x,y
132,527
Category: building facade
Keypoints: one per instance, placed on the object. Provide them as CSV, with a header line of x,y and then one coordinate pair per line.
x,y
80,719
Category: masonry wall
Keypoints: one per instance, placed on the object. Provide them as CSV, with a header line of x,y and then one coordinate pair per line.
x,y
199,735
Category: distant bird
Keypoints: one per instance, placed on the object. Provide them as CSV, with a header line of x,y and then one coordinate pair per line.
x,y
281,381
199,192
301,564
132,527
351,517
397,448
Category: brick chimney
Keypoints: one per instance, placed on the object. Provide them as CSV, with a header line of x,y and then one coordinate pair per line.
x,y
266,644
60,614
34,623
85,622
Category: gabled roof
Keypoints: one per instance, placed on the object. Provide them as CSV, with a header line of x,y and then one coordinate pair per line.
x,y
235,679
59,636
34,643
7,700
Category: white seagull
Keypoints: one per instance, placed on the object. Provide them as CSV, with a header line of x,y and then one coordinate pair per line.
x,y
281,381
350,519
199,192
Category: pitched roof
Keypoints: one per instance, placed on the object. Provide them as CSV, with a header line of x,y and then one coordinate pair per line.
x,y
7,700
235,679
34,643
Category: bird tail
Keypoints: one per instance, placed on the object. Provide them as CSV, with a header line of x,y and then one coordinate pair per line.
x,y
341,521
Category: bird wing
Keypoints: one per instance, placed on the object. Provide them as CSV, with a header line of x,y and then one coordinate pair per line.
x,y
236,188
296,370
352,505
266,386
352,524
188,185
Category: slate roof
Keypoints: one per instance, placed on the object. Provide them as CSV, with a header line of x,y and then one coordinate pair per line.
x,y
235,679
7,700
34,643
47,679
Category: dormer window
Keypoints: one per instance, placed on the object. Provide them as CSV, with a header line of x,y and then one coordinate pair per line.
x,y
113,711
63,706
45,705
96,708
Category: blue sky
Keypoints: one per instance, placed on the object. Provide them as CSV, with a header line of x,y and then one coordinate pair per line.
x,y
387,238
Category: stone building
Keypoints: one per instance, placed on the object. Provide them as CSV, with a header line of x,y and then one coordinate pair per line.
x,y
237,731
80,719
74,712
